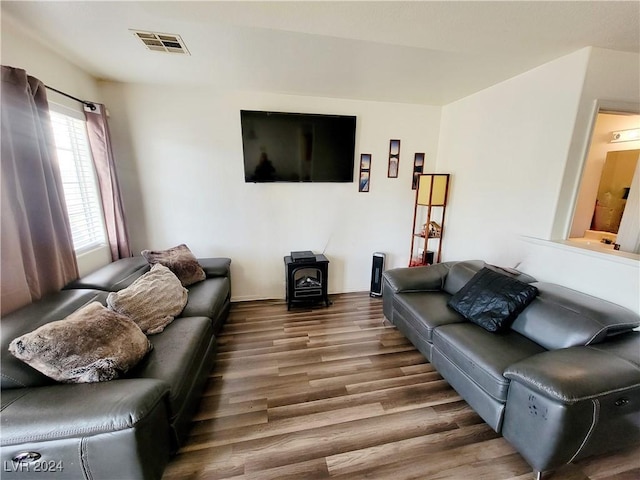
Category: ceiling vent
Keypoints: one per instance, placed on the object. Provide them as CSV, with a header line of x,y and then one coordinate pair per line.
x,y
162,42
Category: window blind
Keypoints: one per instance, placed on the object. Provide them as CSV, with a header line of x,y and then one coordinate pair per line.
x,y
79,182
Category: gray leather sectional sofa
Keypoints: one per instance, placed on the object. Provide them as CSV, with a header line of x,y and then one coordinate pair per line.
x,y
561,384
120,429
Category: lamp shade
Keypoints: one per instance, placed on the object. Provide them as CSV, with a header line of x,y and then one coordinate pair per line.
x,y
432,189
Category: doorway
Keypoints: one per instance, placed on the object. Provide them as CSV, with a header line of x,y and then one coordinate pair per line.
x,y
606,185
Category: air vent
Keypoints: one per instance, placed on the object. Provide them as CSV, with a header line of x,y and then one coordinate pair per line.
x,y
162,42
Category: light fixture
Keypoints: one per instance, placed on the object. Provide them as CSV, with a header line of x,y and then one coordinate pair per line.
x,y
432,189
625,135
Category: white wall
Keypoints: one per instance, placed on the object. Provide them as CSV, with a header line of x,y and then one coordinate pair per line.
x,y
505,148
614,278
179,155
21,50
512,150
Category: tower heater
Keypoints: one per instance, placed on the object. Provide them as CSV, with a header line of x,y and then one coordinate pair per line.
x,y
377,267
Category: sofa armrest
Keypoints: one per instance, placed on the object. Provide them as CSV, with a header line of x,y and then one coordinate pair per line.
x,y
575,374
215,267
116,429
564,405
67,410
417,279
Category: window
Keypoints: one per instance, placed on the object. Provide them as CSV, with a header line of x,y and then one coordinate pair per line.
x,y
78,179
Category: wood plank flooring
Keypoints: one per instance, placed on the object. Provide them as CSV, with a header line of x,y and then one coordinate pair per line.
x,y
338,393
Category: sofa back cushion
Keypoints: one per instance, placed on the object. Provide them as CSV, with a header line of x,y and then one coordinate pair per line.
x,y
460,273
560,318
113,276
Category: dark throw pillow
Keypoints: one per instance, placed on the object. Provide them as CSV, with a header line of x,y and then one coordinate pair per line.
x,y
492,300
180,261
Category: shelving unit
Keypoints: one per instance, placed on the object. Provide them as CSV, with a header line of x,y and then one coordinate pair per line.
x,y
428,219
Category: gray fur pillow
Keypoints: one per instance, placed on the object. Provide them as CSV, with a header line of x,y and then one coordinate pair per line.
x,y
180,261
152,301
93,344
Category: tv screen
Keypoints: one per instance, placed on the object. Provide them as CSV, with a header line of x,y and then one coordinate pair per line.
x,y
297,147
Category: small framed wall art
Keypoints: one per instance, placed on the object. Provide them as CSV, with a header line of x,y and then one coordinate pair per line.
x,y
365,172
394,158
418,166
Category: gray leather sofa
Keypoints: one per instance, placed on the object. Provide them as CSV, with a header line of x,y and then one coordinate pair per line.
x,y
121,429
561,384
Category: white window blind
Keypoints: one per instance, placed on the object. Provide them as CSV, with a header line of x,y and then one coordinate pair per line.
x,y
79,181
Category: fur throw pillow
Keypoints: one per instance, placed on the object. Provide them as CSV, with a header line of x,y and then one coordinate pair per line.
x,y
93,344
152,301
180,261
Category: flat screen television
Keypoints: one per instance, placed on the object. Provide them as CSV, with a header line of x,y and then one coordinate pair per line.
x,y
297,147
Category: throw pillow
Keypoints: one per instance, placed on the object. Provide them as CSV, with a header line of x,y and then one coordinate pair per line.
x,y
93,344
180,261
152,301
492,300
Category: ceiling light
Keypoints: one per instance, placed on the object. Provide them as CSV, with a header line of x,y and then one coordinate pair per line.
x,y
625,135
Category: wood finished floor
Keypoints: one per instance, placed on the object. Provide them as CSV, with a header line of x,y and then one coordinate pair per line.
x,y
338,393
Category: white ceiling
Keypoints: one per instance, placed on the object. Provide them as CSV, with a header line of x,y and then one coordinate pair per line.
x,y
430,52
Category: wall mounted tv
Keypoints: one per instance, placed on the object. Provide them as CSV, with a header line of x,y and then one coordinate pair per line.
x,y
297,147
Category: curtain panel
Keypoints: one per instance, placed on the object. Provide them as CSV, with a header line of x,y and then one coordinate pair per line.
x,y
36,245
102,152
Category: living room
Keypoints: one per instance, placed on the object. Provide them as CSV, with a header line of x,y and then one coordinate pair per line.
x,y
514,147
179,154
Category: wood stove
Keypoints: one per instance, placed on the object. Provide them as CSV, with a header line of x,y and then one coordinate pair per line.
x,y
307,276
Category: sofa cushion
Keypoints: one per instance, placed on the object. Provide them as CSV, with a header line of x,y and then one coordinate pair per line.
x,y
176,358
560,318
492,300
181,262
482,356
426,312
208,299
152,301
52,307
93,344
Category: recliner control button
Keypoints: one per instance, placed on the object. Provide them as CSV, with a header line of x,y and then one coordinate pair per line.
x,y
621,402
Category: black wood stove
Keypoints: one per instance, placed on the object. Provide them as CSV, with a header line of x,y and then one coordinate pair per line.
x,y
307,278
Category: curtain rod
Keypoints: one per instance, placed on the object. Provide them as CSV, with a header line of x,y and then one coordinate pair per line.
x,y
89,105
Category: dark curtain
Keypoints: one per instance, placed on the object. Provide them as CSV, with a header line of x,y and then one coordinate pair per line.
x,y
37,248
100,141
